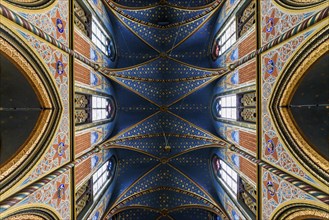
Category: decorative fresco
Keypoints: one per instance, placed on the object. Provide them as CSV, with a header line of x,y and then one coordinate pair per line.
x,y
170,36
57,64
165,176
276,191
56,194
276,21
54,21
273,149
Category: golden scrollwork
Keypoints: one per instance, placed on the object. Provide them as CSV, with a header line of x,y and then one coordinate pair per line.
x,y
31,213
300,4
20,61
305,1
25,216
32,3
301,212
286,98
310,213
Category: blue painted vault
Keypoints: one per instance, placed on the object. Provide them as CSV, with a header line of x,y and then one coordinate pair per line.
x,y
164,135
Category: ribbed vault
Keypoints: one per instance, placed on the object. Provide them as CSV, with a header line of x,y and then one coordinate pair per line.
x,y
160,143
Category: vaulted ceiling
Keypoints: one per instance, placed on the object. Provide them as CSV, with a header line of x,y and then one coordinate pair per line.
x,y
164,134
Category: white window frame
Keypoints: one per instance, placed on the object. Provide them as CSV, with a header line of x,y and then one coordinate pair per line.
x,y
228,107
229,178
99,36
100,179
99,108
227,37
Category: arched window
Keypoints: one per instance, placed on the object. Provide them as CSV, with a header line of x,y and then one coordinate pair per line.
x,y
91,190
224,39
226,176
226,107
92,28
99,36
239,189
101,108
103,176
239,107
92,108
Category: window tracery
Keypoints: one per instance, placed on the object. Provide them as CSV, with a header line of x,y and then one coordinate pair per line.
x,y
103,176
90,108
240,107
246,19
224,39
81,18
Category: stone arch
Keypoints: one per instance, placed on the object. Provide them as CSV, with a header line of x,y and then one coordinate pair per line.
x,y
32,214
18,164
280,106
301,211
31,4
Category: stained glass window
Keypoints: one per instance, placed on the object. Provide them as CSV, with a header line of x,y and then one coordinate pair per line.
x,y
100,109
227,37
227,107
99,36
90,108
226,175
103,176
239,107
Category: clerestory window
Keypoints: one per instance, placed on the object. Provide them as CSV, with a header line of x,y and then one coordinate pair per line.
x,y
103,176
239,107
90,108
226,176
99,36
224,39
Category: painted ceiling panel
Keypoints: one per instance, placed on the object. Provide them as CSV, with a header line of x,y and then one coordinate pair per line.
x,y
164,15
131,108
132,50
136,3
131,166
162,39
190,3
196,49
165,123
197,160
163,69
164,93
197,113
137,214
156,145
166,199
166,176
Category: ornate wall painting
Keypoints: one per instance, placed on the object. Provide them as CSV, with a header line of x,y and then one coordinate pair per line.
x,y
277,193
56,195
57,64
273,149
54,19
277,20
